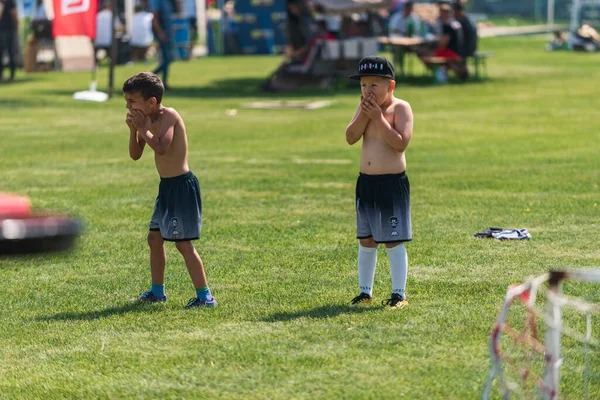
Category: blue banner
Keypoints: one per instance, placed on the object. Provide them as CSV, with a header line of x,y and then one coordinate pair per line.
x,y
261,26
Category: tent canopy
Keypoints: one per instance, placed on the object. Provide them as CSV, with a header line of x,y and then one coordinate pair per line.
x,y
351,6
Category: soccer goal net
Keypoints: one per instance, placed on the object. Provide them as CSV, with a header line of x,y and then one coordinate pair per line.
x,y
546,341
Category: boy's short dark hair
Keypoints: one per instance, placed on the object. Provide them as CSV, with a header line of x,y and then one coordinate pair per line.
x,y
147,84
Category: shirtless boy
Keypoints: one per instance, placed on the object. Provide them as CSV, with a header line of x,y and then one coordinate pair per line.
x,y
385,124
177,213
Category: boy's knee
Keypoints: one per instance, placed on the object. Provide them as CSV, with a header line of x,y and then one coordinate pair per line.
x,y
184,247
155,239
393,244
368,242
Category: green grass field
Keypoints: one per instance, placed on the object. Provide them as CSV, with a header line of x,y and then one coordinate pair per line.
x,y
518,150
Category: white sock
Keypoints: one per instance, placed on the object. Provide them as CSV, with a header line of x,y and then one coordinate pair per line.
x,y
398,268
367,259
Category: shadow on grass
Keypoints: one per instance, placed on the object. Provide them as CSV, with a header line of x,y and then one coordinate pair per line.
x,y
236,88
71,91
225,88
329,311
97,314
24,101
17,81
252,87
428,81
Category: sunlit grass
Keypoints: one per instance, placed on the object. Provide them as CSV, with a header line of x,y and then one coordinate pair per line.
x,y
517,150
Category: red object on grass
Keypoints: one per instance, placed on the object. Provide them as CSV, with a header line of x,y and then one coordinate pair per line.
x,y
14,205
25,232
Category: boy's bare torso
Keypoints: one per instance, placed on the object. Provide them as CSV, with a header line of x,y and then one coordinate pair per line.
x,y
377,157
175,161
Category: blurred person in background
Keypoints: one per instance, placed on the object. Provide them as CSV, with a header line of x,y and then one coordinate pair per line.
x,y
300,27
230,30
333,22
141,33
437,26
405,23
469,31
294,71
189,10
104,29
162,24
41,28
449,47
355,25
451,39
586,38
559,41
9,28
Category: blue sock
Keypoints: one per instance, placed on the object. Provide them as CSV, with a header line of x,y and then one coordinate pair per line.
x,y
204,293
158,289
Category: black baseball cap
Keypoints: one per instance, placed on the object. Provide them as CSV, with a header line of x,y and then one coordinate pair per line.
x,y
375,66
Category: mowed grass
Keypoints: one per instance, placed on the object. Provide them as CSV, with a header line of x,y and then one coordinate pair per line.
x,y
278,241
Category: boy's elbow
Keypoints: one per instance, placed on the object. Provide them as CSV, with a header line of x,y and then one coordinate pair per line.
x,y
161,148
400,148
135,156
350,137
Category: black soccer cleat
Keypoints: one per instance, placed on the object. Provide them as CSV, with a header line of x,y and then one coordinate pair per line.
x,y
362,298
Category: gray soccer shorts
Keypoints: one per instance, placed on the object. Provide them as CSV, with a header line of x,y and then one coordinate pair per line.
x,y
178,208
383,208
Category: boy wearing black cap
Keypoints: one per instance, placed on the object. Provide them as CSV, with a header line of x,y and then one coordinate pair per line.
x,y
385,124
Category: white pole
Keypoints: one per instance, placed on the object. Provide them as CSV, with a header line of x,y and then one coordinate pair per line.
x,y
550,15
553,327
201,21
